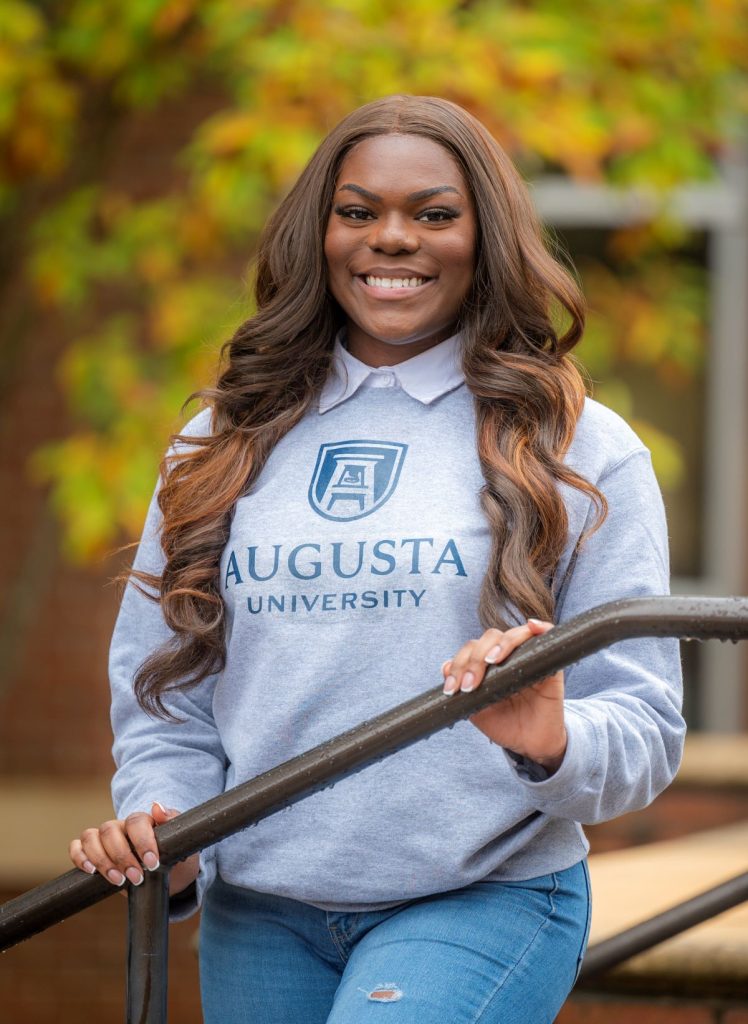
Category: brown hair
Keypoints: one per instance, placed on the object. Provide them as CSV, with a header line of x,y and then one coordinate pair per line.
x,y
528,392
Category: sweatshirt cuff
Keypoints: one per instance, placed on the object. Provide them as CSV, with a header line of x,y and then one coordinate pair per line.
x,y
572,774
186,903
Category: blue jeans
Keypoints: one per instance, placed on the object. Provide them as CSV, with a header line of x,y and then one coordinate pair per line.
x,y
491,952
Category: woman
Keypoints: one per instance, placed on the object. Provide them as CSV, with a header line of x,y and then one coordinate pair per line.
x,y
398,457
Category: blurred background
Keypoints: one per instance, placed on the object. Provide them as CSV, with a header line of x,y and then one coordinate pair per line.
x,y
142,146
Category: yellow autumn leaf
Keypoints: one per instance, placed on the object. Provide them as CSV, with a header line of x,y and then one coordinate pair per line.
x,y
170,317
646,336
537,66
157,263
229,133
668,458
199,233
172,16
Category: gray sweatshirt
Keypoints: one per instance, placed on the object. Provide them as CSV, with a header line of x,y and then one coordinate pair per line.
x,y
352,571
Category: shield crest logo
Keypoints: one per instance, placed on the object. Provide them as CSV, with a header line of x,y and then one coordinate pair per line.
x,y
352,479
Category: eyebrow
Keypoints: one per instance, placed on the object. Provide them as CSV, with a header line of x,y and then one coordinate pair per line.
x,y
414,197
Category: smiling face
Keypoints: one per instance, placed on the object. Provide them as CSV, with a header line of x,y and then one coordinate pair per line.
x,y
400,246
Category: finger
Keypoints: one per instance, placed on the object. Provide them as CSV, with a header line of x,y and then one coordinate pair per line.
x,y
79,858
469,673
139,831
456,668
518,635
108,849
162,814
94,853
510,640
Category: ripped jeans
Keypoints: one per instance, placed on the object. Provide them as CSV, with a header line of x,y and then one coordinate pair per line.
x,y
491,952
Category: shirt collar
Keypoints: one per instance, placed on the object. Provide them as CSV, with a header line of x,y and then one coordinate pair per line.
x,y
424,377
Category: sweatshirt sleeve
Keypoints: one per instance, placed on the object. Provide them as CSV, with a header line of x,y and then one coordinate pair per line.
x,y
623,704
179,765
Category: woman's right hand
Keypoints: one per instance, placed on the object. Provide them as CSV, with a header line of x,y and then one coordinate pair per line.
x,y
109,850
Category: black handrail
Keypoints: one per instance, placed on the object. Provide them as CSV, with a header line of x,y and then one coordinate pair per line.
x,y
608,953
698,618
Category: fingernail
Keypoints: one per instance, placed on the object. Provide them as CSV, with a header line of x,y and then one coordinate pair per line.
x,y
493,655
150,860
89,867
450,685
535,622
468,681
160,806
444,664
115,877
135,876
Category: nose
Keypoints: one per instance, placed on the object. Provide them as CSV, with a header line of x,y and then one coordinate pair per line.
x,y
393,234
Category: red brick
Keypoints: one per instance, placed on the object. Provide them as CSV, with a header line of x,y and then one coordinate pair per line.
x,y
679,811
614,1010
76,971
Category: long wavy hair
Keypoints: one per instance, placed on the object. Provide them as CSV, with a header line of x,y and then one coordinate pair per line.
x,y
528,392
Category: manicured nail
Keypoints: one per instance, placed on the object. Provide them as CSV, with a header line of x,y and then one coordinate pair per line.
x,y
468,682
450,685
493,655
150,860
535,622
135,876
89,867
115,877
160,806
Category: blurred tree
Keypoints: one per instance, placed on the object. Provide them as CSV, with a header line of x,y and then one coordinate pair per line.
x,y
651,98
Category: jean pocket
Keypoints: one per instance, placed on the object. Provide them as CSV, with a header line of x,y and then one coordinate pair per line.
x,y
535,894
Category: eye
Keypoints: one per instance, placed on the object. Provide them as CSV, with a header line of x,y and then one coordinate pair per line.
x,y
438,214
353,212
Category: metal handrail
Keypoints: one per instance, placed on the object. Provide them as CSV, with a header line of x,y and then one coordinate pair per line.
x,y
699,618
608,953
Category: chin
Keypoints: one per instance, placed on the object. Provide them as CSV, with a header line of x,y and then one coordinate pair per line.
x,y
394,335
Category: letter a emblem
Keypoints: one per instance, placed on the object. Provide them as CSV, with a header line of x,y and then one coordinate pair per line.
x,y
354,478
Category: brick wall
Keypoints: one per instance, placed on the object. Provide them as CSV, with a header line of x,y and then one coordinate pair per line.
x,y
679,811
596,1008
55,709
54,619
75,972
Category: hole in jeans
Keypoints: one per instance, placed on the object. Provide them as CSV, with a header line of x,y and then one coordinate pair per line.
x,y
385,993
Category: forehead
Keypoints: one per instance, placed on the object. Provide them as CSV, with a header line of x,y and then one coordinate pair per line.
x,y
402,163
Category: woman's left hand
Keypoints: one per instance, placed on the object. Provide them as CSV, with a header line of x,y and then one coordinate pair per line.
x,y
530,722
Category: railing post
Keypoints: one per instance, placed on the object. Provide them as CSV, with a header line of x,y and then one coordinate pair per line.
x,y
148,949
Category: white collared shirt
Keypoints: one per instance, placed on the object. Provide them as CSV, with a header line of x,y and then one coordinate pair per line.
x,y
424,377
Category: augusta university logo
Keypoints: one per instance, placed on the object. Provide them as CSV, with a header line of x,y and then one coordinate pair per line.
x,y
354,478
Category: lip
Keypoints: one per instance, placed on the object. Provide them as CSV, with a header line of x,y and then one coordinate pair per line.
x,y
392,272
392,294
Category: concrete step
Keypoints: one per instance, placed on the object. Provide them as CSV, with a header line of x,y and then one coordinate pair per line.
x,y
632,885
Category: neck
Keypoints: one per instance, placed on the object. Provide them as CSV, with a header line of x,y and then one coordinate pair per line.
x,y
374,352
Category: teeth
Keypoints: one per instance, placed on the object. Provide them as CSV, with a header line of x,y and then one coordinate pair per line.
x,y
395,282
